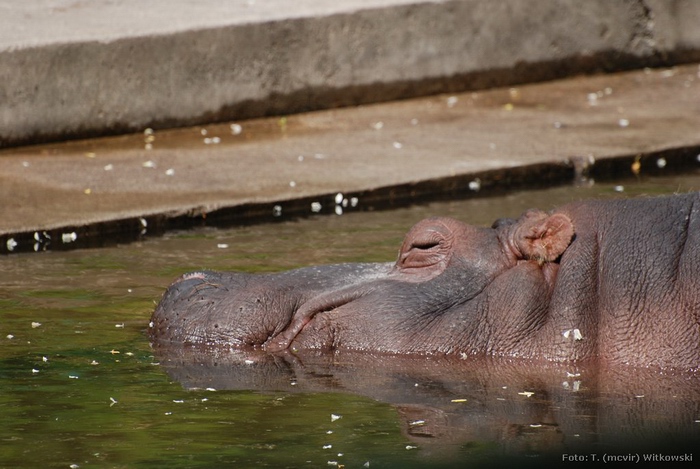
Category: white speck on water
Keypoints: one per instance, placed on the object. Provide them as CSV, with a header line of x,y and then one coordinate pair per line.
x,y
475,185
354,201
148,131
316,207
335,417
211,389
276,211
410,447
119,326
10,336
11,244
300,157
73,376
397,145
34,370
25,164
222,246
344,203
608,91
619,188
35,325
329,432
148,164
378,125
668,73
639,396
69,237
151,324
661,162
144,222
148,146
292,184
338,210
236,129
535,425
45,359
327,446
452,101
332,463
178,401
623,123
170,172
203,132
74,466
366,464
592,99
414,121
168,413
109,167
94,363
112,401
416,423
526,393
339,198
697,158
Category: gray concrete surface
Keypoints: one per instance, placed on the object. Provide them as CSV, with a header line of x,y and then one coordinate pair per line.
x,y
70,69
392,148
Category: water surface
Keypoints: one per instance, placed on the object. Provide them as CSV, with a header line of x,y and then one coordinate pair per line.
x,y
80,384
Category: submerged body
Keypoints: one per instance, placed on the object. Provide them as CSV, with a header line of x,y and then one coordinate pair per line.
x,y
617,281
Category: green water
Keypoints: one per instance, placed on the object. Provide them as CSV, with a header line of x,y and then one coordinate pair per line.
x,y
80,386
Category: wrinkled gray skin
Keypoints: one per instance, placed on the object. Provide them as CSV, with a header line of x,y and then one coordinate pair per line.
x,y
617,281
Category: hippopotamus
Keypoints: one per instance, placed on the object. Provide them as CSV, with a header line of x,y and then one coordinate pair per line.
x,y
610,281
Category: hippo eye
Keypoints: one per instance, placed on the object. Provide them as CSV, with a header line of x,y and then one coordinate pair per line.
x,y
425,245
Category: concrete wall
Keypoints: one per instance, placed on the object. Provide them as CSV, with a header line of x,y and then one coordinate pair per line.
x,y
239,66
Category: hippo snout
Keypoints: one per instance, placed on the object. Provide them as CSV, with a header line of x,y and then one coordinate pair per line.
x,y
208,308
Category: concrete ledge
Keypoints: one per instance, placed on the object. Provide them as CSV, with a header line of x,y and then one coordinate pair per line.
x,y
71,70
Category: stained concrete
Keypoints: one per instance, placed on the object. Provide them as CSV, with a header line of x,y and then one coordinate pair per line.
x,y
74,69
277,166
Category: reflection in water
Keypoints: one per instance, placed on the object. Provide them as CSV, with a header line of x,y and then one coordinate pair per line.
x,y
447,404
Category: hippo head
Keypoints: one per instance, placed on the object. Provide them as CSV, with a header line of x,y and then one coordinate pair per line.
x,y
454,288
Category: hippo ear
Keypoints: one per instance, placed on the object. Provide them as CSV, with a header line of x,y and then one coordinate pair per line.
x,y
543,237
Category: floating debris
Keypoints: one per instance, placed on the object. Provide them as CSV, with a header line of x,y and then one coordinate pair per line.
x,y
112,401
316,207
170,172
335,417
119,326
409,447
211,389
623,122
10,336
475,185
109,167
292,184
526,393
73,376
222,246
576,334
339,198
327,446
236,129
276,211
661,163
11,244
338,210
35,325
398,145
619,188
458,400
203,132
148,164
